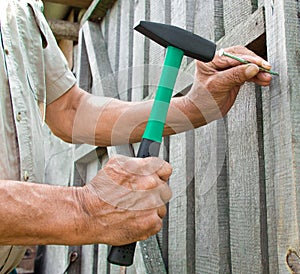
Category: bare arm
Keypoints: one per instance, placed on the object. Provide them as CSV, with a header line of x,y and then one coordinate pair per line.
x,y
79,117
40,214
109,209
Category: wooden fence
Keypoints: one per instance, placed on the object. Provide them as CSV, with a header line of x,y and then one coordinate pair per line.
x,y
236,181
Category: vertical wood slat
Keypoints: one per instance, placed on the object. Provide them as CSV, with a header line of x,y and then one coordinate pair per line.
x,y
102,75
181,238
211,190
124,81
244,184
87,251
156,51
281,122
140,55
83,70
236,12
178,206
207,260
243,166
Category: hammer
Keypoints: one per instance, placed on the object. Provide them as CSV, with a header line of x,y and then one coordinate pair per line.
x,y
178,42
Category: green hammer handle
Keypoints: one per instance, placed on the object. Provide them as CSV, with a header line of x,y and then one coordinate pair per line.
x,y
152,137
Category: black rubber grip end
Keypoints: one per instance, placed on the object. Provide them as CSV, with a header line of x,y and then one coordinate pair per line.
x,y
148,148
122,255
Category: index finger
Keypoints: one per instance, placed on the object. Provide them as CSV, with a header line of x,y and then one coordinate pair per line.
x,y
223,62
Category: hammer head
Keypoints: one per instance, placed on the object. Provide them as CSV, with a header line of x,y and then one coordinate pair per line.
x,y
192,45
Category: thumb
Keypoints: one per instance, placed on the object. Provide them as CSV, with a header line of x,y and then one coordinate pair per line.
x,y
238,75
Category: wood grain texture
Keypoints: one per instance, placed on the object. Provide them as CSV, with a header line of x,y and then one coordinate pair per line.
x,y
246,31
178,206
243,165
244,184
211,193
282,121
140,55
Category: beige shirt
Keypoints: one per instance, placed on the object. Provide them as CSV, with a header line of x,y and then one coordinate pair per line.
x,y
33,73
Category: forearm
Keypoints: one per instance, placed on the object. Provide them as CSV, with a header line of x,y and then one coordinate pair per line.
x,y
38,214
79,117
105,121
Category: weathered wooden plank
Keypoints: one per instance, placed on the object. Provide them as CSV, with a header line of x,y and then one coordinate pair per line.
x,y
87,251
57,254
246,31
124,79
97,10
103,80
282,132
102,259
204,19
178,206
156,52
113,36
235,12
181,18
244,166
255,23
181,239
140,54
212,209
211,191
82,70
244,184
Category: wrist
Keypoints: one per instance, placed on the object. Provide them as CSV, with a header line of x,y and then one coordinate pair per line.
x,y
90,226
203,106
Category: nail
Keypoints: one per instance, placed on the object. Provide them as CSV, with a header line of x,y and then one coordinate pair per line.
x,y
223,53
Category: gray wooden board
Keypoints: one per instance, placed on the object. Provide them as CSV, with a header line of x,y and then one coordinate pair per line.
x,y
235,12
178,206
246,31
243,167
206,211
125,50
103,78
282,132
140,53
83,71
156,51
211,191
113,33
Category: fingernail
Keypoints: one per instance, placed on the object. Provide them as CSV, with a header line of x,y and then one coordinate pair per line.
x,y
266,65
251,70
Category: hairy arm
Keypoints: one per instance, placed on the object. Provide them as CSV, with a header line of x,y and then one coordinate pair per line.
x,y
39,214
110,209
